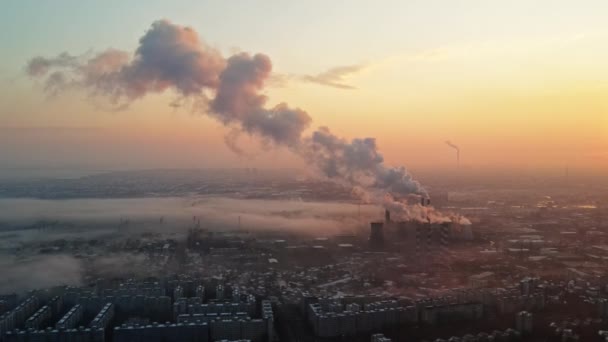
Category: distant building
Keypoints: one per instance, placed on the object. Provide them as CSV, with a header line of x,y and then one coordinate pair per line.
x,y
523,322
103,319
16,317
163,332
71,318
219,292
39,318
332,317
481,280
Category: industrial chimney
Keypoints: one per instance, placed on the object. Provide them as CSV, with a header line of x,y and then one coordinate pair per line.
x,y
425,201
376,236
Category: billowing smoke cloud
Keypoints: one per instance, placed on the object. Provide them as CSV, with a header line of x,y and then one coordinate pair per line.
x,y
172,57
168,56
358,163
40,66
454,146
238,100
231,140
421,213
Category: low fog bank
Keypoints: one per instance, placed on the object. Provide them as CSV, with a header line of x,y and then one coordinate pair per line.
x,y
55,218
31,228
121,265
21,275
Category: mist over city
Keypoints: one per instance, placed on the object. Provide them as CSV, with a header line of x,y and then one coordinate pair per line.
x,y
286,171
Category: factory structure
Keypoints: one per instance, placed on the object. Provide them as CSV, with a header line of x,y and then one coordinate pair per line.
x,y
424,237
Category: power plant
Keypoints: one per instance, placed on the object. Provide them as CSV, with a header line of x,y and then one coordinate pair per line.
x,y
425,238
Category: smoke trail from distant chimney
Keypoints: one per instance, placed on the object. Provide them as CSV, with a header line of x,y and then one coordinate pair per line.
x,y
454,146
173,57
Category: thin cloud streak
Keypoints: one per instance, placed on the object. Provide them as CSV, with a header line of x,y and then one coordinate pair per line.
x,y
335,77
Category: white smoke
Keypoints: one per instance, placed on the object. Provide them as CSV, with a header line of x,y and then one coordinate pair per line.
x,y
401,209
173,57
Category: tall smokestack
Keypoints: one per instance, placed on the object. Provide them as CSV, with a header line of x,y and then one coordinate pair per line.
x,y
454,146
445,232
387,216
418,238
376,236
429,236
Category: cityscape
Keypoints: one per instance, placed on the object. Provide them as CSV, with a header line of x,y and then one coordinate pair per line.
x,y
162,181
525,265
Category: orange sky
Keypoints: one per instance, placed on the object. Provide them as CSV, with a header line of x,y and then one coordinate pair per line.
x,y
530,95
567,127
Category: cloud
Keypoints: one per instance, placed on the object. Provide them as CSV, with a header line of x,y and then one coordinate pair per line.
x,y
335,77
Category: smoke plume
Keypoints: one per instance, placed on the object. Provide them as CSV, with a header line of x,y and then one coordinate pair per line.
x,y
173,57
238,100
168,56
420,213
454,146
357,163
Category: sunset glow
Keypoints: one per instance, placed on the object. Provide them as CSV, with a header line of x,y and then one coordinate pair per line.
x,y
509,90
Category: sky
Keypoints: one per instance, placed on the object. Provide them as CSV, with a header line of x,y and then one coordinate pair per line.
x,y
512,83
